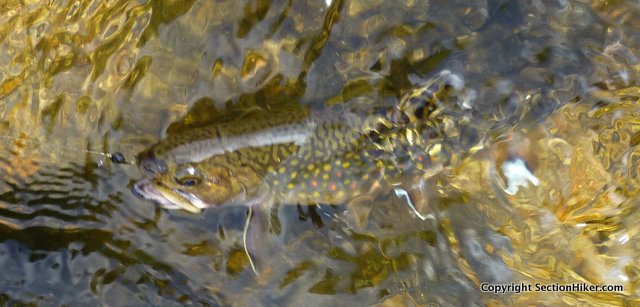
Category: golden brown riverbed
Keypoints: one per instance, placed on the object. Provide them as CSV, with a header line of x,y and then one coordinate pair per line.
x,y
551,85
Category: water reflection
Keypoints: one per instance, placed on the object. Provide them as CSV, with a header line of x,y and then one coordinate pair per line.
x,y
558,76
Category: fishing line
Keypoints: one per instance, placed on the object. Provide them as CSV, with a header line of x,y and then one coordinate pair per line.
x,y
115,157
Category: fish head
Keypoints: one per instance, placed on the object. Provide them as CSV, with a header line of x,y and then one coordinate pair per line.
x,y
193,186
149,164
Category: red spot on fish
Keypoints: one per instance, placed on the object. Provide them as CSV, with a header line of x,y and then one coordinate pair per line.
x,y
333,187
339,174
314,183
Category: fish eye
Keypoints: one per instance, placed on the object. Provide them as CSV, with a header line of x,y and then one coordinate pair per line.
x,y
188,177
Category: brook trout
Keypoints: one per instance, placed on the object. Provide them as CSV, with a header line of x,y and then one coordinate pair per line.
x,y
300,157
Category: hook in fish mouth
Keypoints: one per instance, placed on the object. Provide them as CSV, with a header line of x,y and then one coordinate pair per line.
x,y
172,199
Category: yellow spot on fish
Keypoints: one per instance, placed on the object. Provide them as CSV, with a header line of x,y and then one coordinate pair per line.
x,y
338,162
276,182
346,164
316,194
271,169
294,175
290,186
294,162
305,175
325,176
327,167
347,181
282,169
365,176
310,167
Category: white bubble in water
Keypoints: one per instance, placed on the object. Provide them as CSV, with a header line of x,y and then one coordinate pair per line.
x,y
518,175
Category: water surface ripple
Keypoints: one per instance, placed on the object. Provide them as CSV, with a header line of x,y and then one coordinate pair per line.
x,y
552,83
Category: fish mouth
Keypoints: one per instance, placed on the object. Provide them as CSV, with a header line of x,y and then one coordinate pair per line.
x,y
171,199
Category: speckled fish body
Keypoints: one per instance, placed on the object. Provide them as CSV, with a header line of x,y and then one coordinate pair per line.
x,y
300,157
199,144
213,165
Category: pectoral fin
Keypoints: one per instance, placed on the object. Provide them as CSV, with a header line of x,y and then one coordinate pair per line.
x,y
256,238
